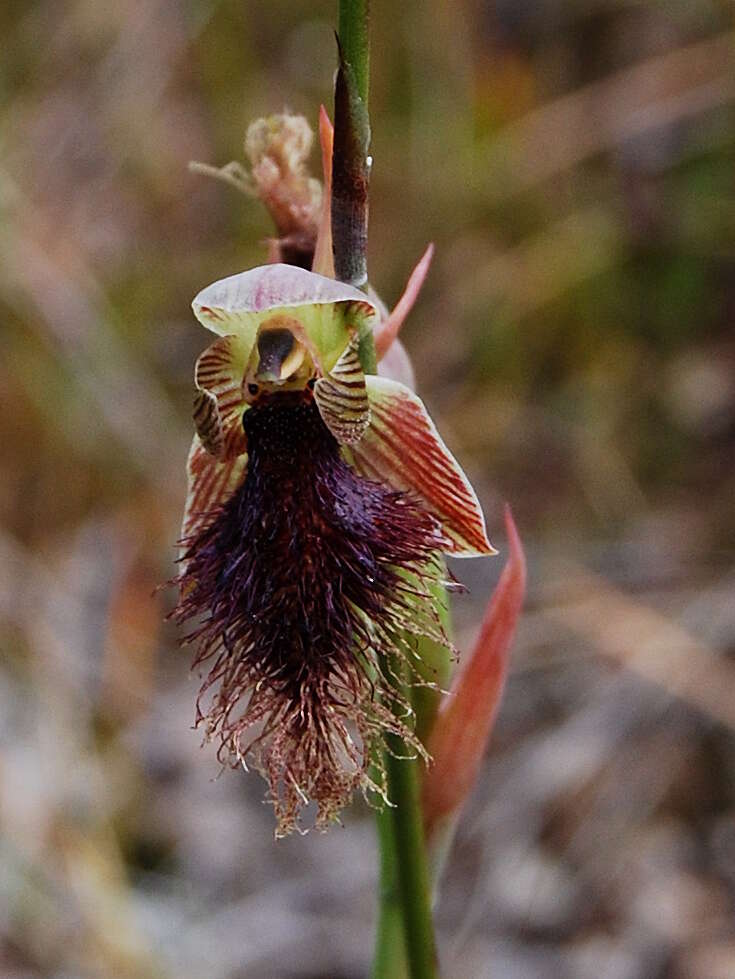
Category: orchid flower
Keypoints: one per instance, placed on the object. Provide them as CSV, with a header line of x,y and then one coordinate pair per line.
x,y
320,500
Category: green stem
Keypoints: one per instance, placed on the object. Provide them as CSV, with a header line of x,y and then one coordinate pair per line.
x,y
390,947
404,947
408,854
354,36
350,161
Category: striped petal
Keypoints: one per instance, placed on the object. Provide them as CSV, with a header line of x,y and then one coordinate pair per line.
x,y
402,447
211,482
219,402
341,397
208,423
324,312
218,456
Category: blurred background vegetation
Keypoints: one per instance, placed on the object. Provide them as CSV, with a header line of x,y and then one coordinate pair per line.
x,y
575,165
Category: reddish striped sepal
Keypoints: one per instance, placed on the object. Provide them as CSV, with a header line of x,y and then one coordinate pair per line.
x,y
401,447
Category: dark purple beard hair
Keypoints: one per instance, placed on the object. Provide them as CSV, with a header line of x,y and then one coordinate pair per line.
x,y
306,584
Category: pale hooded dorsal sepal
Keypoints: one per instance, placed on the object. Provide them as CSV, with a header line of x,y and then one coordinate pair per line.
x,y
220,401
327,310
341,397
402,447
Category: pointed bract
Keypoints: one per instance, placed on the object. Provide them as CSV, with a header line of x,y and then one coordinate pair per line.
x,y
462,729
387,332
403,448
323,258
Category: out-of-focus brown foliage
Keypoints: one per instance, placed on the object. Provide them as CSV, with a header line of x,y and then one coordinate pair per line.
x,y
574,165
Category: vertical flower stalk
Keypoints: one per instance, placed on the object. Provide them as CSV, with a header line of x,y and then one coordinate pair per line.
x,y
406,924
351,171
321,500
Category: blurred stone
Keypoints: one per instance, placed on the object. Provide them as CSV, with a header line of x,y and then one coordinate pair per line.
x,y
533,888
679,908
716,961
700,391
604,957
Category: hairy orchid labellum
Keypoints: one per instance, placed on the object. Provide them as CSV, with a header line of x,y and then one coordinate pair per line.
x,y
320,499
